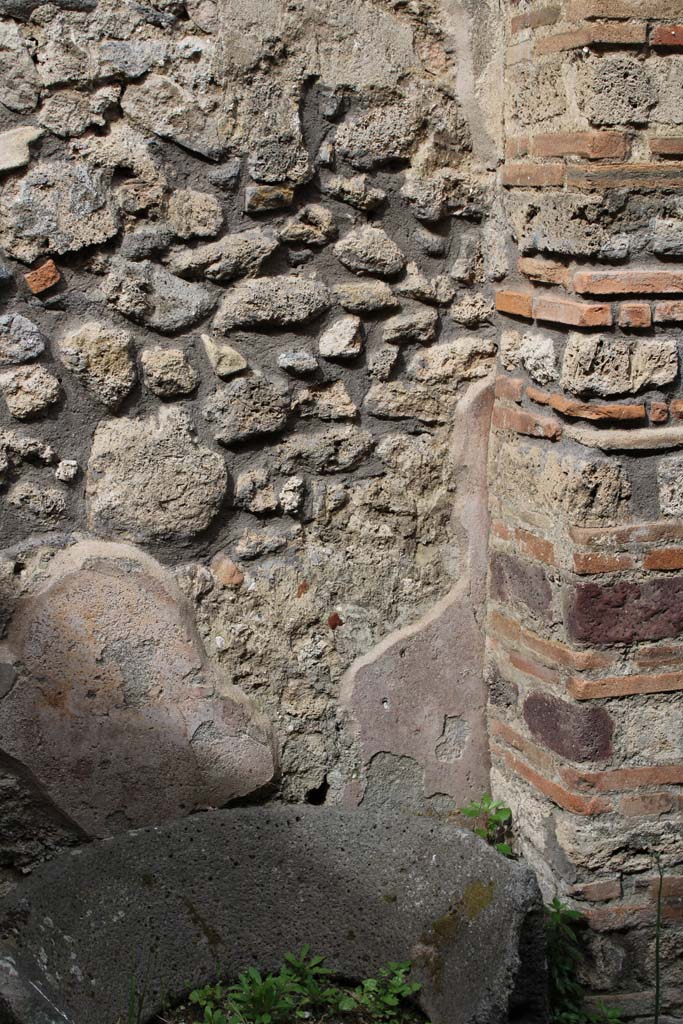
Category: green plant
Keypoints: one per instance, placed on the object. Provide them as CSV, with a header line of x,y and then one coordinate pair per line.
x,y
495,825
310,979
264,1000
381,997
565,954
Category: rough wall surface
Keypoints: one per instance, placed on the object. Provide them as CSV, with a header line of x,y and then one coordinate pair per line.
x,y
246,360
585,712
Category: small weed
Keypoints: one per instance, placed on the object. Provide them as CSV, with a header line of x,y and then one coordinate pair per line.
x,y
496,822
381,998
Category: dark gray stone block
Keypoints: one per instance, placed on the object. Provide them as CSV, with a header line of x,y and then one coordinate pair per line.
x,y
243,886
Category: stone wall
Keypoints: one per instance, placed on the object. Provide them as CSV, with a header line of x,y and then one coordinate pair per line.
x,y
585,710
246,357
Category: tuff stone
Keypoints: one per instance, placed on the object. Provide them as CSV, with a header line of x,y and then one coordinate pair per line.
x,y
245,408
299,363
57,207
414,323
327,403
100,357
378,136
167,373
574,732
280,158
382,361
20,340
370,250
149,294
149,479
437,290
605,365
465,358
69,113
225,359
193,214
262,198
14,147
616,90
343,339
45,507
396,400
625,612
172,112
670,482
19,83
255,492
336,450
146,242
280,301
66,470
312,225
238,255
365,296
522,582
29,391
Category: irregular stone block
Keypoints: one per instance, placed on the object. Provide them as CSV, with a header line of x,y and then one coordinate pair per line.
x,y
69,113
370,250
235,255
327,403
602,364
299,363
193,214
364,296
355,191
378,136
572,731
512,579
416,323
343,339
450,362
670,480
336,450
14,151
59,206
625,612
100,356
262,198
476,943
398,401
149,480
118,715
616,90
29,391
167,372
148,294
225,359
20,340
19,82
278,301
244,408
168,110
313,225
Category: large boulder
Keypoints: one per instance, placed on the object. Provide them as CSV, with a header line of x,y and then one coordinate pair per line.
x,y
244,886
114,709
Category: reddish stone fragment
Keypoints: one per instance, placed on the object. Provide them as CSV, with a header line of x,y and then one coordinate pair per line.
x,y
43,277
575,732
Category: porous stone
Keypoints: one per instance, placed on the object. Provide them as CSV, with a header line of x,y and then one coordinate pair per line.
x,y
378,136
489,915
69,113
272,301
666,236
44,506
335,450
150,480
670,481
141,716
471,310
238,255
227,176
149,294
414,323
256,543
254,492
129,58
625,612
225,571
438,290
146,242
575,732
397,401
343,339
225,359
292,494
465,358
520,582
537,354
29,391
58,207
263,198
312,225
356,191
370,250
172,112
19,82
245,408
14,147
382,361
20,340
100,357
615,90
167,372
604,365
299,363
435,195
280,157
327,403
66,470
193,214
365,296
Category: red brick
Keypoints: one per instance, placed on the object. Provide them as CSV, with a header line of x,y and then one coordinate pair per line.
x,y
541,759
574,314
624,9
535,547
624,282
516,147
635,314
596,34
526,423
535,19
659,656
597,892
664,559
547,271
636,806
552,651
588,563
530,667
658,412
625,778
509,388
661,532
667,35
668,312
648,176
671,146
43,277
604,411
625,686
590,145
616,918
524,175
514,303
500,530
564,798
